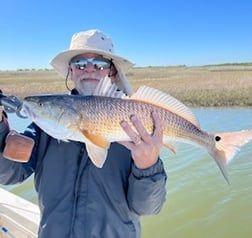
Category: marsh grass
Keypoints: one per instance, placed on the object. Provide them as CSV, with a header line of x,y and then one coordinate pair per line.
x,y
214,86
217,86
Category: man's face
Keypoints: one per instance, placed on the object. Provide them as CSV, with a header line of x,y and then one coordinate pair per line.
x,y
87,70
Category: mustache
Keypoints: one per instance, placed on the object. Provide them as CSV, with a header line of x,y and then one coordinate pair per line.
x,y
90,76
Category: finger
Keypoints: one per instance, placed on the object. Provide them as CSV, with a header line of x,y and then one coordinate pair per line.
x,y
158,126
127,144
146,137
130,132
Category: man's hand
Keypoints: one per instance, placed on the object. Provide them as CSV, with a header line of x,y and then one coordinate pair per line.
x,y
144,147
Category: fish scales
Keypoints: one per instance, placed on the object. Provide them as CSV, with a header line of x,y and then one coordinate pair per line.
x,y
95,120
102,116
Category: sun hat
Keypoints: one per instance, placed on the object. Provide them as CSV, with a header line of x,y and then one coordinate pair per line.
x,y
93,41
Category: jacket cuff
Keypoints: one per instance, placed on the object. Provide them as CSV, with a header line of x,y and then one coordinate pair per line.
x,y
157,168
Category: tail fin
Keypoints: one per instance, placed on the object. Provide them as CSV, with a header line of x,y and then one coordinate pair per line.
x,y
226,147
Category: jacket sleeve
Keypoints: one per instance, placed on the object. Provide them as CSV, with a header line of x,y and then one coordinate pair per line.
x,y
147,189
11,172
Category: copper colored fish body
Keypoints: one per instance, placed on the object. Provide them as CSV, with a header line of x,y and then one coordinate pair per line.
x,y
103,115
95,120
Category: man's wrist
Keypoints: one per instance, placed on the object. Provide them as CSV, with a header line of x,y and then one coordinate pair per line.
x,y
152,170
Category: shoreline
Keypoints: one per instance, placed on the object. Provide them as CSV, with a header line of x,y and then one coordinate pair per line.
x,y
201,86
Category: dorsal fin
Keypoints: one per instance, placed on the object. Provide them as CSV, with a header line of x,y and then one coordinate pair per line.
x,y
164,100
108,89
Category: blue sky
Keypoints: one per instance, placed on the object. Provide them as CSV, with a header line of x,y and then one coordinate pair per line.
x,y
149,33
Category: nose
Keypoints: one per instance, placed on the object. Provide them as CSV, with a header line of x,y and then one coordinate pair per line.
x,y
90,68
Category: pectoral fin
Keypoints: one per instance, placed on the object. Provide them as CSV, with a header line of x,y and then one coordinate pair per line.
x,y
97,148
97,140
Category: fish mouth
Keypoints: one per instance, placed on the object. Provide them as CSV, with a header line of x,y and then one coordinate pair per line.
x,y
28,112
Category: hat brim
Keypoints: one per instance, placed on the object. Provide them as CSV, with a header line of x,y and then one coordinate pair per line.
x,y
61,61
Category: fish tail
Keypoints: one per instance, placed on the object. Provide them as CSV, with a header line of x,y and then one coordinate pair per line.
x,y
226,147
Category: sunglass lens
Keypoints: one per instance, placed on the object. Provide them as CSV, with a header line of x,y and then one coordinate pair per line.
x,y
99,64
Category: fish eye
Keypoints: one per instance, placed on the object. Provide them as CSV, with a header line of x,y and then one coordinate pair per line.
x,y
41,104
217,138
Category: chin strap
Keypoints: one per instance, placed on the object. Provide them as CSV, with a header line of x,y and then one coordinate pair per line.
x,y
68,72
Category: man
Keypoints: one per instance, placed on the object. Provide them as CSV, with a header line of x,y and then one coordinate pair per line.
x,y
76,198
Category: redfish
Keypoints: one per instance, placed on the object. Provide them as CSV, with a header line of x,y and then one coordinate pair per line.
x,y
95,120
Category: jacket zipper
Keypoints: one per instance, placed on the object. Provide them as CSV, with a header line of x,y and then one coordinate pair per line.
x,y
81,167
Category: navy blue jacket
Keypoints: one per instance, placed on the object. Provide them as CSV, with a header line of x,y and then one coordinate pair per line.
x,y
76,198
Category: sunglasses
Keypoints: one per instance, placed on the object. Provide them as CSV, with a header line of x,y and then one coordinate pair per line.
x,y
98,63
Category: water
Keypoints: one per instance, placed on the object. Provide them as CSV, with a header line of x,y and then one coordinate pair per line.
x,y
199,201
